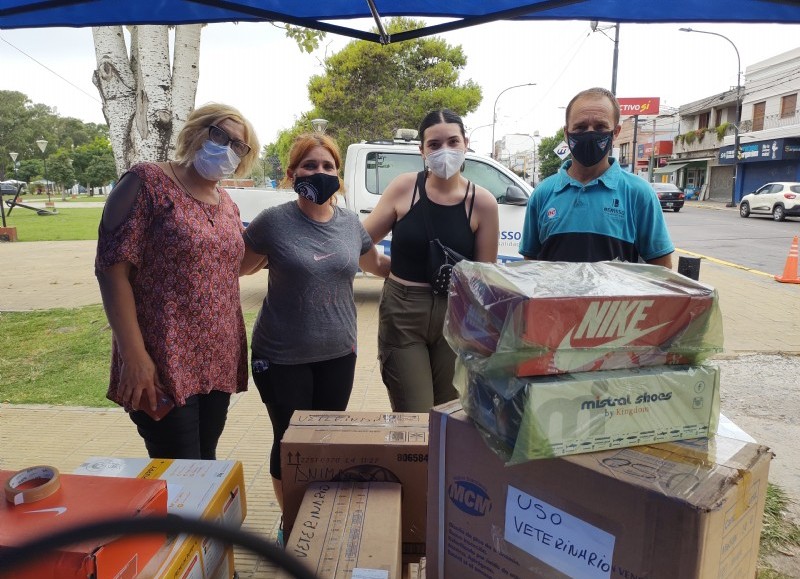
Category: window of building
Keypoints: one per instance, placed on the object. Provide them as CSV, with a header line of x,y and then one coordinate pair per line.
x,y
788,105
717,118
758,116
623,153
702,120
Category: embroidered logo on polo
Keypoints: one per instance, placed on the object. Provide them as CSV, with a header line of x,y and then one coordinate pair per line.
x,y
615,210
551,213
618,323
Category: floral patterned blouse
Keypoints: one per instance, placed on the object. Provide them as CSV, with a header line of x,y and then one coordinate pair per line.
x,y
185,279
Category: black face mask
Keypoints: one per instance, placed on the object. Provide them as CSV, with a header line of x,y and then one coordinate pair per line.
x,y
589,148
318,187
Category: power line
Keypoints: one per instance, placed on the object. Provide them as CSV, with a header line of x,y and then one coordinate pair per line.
x,y
50,70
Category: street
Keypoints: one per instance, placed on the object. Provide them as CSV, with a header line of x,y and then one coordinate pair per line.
x,y
755,242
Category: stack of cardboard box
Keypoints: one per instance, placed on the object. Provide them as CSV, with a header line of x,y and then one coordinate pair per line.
x,y
355,454
616,352
209,489
581,357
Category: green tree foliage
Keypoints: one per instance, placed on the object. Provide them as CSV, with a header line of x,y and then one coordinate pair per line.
x,y
369,90
307,39
22,123
59,169
548,160
93,163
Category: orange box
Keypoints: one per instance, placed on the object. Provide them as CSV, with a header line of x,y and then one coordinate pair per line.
x,y
81,500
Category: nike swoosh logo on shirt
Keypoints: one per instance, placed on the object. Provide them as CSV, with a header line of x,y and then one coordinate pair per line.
x,y
568,359
321,257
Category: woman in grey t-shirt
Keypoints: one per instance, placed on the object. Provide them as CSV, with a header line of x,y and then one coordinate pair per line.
x,y
304,339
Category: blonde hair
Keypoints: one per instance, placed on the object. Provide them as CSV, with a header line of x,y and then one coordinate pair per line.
x,y
302,146
195,132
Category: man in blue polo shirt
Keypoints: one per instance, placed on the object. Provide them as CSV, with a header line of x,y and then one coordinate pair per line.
x,y
591,210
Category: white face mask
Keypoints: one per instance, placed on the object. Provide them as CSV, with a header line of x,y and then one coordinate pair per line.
x,y
445,163
214,161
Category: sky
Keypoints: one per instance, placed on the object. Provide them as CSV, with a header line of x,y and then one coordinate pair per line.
x,y
255,68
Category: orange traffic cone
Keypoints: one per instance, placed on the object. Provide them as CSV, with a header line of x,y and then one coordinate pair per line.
x,y
790,269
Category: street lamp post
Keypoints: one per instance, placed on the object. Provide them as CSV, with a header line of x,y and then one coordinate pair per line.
x,y
469,137
14,162
319,125
595,28
494,113
732,202
42,144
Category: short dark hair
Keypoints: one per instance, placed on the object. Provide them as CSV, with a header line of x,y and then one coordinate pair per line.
x,y
597,92
440,116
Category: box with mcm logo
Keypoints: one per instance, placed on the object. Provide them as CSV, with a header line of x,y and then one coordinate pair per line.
x,y
538,318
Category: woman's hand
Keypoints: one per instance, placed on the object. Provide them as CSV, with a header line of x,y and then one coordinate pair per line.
x,y
375,262
139,383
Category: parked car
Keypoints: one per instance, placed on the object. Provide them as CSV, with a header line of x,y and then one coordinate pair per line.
x,y
669,195
780,200
10,187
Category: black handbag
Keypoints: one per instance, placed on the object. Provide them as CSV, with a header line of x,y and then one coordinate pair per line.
x,y
441,258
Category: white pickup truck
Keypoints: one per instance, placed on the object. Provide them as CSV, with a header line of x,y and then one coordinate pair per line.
x,y
370,166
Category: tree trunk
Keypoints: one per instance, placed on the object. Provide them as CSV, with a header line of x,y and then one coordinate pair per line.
x,y
144,102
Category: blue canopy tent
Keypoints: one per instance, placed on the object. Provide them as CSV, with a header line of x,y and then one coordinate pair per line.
x,y
330,14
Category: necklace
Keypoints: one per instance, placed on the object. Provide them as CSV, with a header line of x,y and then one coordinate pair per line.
x,y
210,216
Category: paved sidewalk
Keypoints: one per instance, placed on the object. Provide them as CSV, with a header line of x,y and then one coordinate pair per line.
x,y
47,275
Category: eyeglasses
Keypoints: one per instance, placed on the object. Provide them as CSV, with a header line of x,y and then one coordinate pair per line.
x,y
221,138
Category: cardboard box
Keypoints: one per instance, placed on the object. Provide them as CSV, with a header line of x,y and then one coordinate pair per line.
x,y
362,447
682,509
209,489
535,318
546,416
349,531
79,501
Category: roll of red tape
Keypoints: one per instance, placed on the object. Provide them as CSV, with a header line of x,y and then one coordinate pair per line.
x,y
50,483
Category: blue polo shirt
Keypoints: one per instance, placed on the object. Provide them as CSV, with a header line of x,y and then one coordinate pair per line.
x,y
616,216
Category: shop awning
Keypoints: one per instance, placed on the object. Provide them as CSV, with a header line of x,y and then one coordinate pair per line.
x,y
671,168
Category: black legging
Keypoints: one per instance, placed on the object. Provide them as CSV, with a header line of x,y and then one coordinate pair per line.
x,y
189,431
322,385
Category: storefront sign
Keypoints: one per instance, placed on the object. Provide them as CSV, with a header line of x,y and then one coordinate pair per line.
x,y
769,150
639,106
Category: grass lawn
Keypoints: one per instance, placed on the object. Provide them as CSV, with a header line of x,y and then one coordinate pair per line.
x,y
57,198
68,225
58,356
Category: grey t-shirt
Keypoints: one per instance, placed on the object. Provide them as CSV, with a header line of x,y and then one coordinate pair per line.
x,y
309,313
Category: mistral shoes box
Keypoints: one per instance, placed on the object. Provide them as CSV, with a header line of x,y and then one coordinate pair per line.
x,y
546,416
359,447
689,509
209,489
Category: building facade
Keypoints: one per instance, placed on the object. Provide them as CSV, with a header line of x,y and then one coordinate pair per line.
x,y
769,136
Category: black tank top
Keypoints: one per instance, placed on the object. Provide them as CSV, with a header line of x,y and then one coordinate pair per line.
x,y
410,240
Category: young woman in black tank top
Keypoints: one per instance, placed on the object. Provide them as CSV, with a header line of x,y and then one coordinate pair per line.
x,y
417,364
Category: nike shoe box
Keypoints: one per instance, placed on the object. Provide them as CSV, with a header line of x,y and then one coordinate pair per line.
x,y
82,500
212,490
547,416
690,509
536,318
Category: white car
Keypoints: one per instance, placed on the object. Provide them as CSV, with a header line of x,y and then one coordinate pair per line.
x,y
780,200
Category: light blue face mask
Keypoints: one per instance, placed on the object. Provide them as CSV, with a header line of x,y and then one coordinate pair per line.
x,y
214,161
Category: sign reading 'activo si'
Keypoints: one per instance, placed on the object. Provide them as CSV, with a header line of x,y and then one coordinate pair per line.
x,y
639,106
